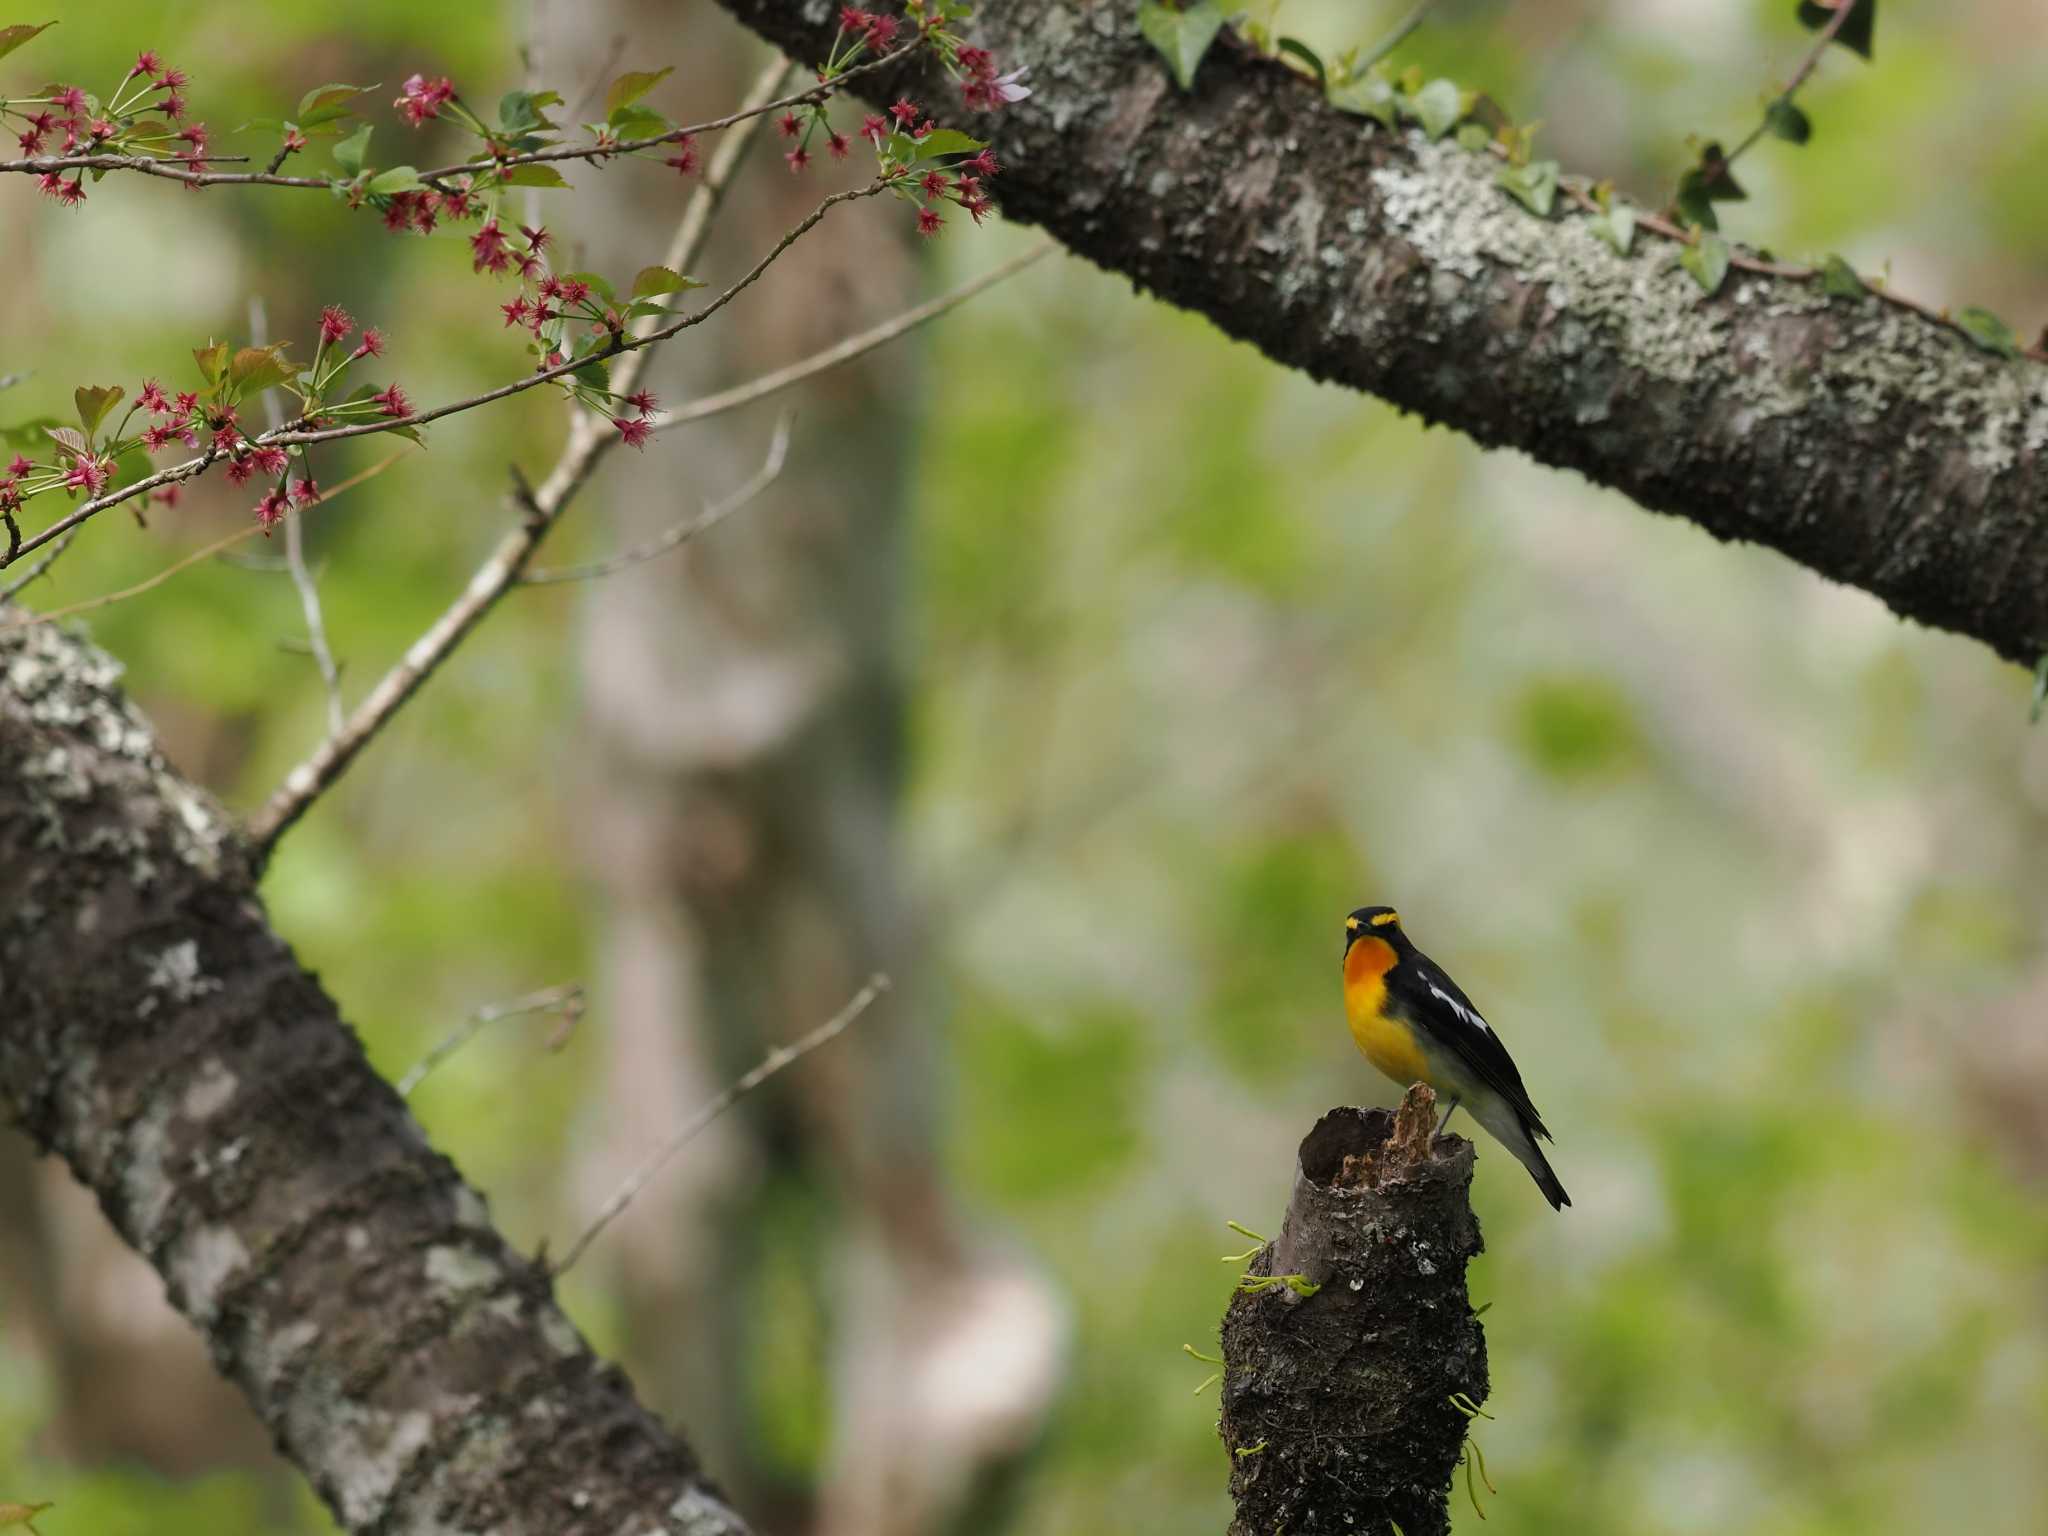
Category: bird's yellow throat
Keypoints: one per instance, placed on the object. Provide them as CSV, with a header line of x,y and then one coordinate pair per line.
x,y
1387,1043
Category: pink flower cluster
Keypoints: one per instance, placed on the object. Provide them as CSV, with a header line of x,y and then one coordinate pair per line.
x,y
981,87
67,123
423,98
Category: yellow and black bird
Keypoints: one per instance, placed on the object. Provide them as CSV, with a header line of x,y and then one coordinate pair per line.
x,y
1413,1023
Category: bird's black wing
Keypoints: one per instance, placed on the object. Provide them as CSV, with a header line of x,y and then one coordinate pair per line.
x,y
1437,1003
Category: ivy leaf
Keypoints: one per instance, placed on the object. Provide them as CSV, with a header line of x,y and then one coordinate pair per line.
x,y
93,402
1534,185
350,153
533,176
1788,122
1856,28
1617,227
1307,55
1838,280
1707,260
12,38
1473,137
1182,37
1367,96
400,178
632,85
1438,106
650,281
1988,331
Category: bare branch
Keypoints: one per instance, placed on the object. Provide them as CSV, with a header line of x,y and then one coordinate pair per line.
x,y
674,538
295,551
204,552
566,1000
770,1064
39,568
852,347
589,441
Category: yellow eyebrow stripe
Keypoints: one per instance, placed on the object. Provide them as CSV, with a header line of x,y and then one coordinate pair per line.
x,y
1385,918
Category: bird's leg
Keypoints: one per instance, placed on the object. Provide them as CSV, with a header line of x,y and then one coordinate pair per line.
x,y
1447,1117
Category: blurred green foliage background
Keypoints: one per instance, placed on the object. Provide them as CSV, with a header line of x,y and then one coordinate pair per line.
x,y
1746,871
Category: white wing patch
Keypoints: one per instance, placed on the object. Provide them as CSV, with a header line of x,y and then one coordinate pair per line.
x,y
1469,1015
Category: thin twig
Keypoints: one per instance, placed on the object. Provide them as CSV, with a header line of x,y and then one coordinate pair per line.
x,y
1800,76
1397,37
674,538
148,165
295,549
565,1000
589,441
627,345
41,567
107,599
771,1064
852,347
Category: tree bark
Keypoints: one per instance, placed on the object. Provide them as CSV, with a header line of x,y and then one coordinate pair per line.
x,y
1872,444
156,1034
1337,1405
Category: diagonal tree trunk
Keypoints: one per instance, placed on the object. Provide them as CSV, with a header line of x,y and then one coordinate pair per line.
x,y
160,1038
1873,444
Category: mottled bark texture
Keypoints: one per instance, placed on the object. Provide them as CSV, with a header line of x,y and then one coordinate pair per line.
x,y
157,1035
1867,442
1337,1406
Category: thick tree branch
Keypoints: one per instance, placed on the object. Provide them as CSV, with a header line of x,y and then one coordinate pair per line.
x,y
1870,443
157,1034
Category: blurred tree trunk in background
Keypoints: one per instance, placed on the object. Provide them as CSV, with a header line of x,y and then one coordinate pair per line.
x,y
747,758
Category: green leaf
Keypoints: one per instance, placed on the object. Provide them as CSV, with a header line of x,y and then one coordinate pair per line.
x,y
650,281
2040,691
1307,55
259,368
638,123
1438,106
94,401
212,360
328,103
1534,185
70,439
946,141
1367,96
1988,331
1181,36
533,176
351,151
1707,260
1838,280
1856,28
400,178
593,373
1788,122
1473,137
631,86
1617,226
13,37
523,111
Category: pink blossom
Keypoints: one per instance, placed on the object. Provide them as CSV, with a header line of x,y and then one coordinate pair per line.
x,y
928,221
146,63
643,402
423,98
304,492
335,325
685,158
634,432
372,344
271,509
152,398
394,402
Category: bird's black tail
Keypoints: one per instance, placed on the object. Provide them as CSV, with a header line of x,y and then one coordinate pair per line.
x,y
1546,1180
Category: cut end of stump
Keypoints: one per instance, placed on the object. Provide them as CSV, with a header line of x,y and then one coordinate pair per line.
x,y
1370,1148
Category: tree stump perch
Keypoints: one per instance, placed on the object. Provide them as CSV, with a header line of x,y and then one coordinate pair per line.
x,y
1337,1405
